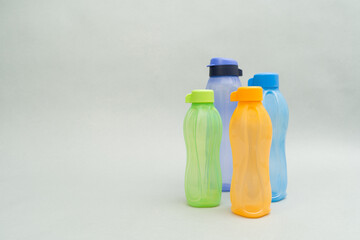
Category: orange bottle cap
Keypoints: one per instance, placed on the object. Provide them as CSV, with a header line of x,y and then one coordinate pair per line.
x,y
247,94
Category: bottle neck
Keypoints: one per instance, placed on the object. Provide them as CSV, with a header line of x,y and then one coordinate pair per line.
x,y
250,102
223,76
270,88
202,104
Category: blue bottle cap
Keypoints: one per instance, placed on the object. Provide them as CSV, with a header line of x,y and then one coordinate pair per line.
x,y
222,61
265,80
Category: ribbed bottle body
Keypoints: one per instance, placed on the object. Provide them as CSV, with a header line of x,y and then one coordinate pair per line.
x,y
223,86
250,137
276,106
202,132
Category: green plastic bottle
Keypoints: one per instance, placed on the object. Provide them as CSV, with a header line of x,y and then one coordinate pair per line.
x,y
202,132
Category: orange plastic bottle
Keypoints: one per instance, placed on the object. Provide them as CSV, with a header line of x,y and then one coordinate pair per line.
x,y
250,138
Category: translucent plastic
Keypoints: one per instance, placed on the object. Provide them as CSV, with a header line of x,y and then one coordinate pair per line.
x,y
250,137
202,132
223,86
276,106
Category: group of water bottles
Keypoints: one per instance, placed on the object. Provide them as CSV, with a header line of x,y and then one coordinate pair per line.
x,y
235,141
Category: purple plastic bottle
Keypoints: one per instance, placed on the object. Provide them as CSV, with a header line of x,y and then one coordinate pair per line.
x,y
224,79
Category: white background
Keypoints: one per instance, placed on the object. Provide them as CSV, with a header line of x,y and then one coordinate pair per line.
x,y
92,105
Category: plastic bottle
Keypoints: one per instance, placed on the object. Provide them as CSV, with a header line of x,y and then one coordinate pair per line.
x,y
250,138
224,79
202,132
276,106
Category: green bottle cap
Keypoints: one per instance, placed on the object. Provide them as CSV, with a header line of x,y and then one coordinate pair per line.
x,y
200,96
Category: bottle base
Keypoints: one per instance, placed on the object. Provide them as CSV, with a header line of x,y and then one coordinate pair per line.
x,y
278,197
226,187
247,214
203,205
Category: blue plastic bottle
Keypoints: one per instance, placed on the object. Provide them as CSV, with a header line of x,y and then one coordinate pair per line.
x,y
276,106
224,79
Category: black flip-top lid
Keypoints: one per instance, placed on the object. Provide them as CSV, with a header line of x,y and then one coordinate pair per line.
x,y
224,67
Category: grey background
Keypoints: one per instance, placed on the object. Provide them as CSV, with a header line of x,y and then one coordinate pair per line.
x,y
92,104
